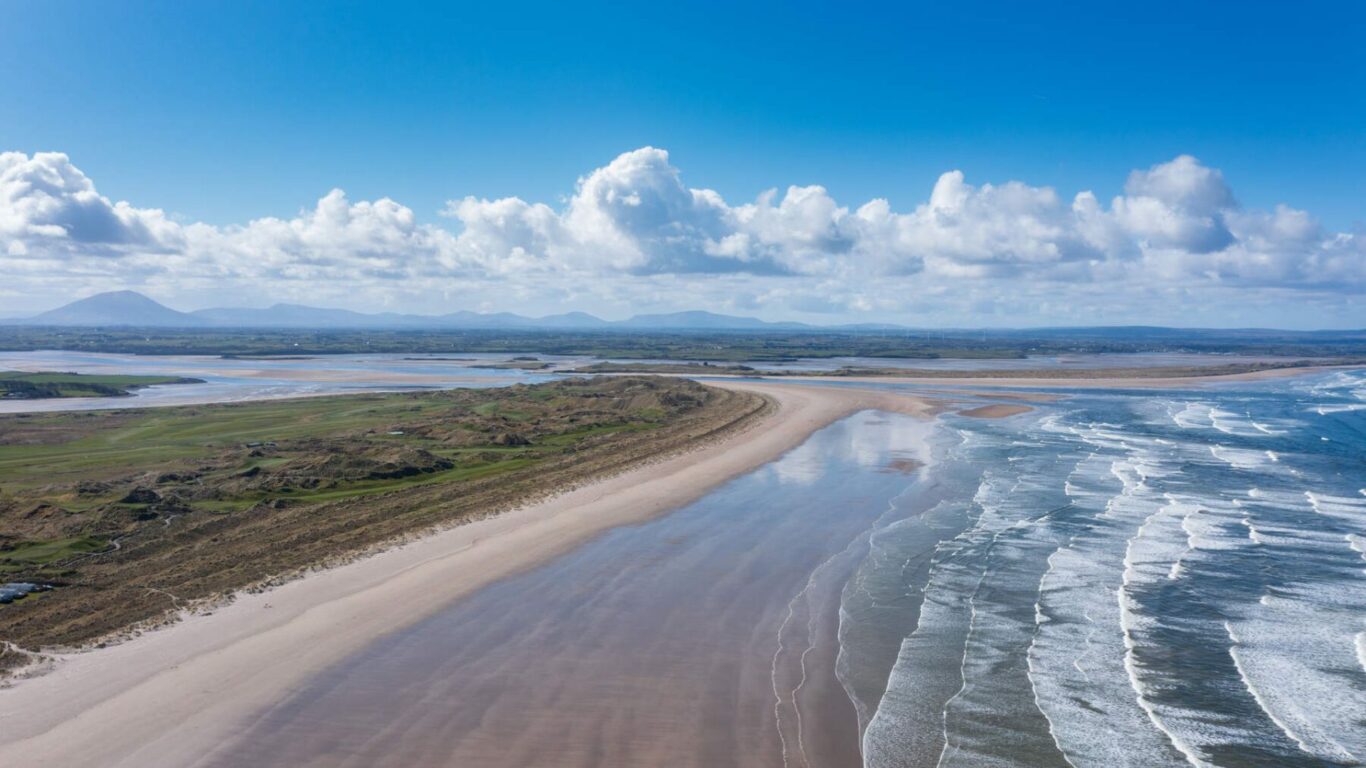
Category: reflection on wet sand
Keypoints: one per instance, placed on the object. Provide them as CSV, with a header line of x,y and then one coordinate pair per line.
x,y
706,637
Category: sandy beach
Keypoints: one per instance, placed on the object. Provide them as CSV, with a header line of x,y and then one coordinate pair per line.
x,y
172,696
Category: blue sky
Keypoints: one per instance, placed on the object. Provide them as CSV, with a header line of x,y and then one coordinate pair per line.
x,y
223,113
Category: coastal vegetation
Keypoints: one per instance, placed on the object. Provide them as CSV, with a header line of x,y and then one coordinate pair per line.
x,y
129,514
714,346
18,385
1149,372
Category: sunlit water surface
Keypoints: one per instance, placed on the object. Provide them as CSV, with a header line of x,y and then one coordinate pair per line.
x,y
1145,578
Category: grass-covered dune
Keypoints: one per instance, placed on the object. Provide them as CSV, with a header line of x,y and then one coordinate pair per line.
x,y
18,385
130,513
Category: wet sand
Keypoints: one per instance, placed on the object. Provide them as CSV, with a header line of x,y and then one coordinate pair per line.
x,y
172,696
682,641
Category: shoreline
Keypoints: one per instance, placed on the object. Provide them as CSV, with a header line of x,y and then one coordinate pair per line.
x,y
1083,382
172,695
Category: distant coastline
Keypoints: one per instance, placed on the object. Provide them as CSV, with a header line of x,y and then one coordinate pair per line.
x,y
46,385
1006,376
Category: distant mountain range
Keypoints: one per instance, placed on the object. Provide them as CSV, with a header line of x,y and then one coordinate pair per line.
x,y
132,309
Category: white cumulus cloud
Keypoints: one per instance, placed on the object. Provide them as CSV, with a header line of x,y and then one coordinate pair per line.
x,y
634,228
45,200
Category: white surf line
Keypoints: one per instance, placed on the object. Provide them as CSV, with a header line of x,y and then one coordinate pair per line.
x,y
1029,656
945,752
1131,667
1127,610
1122,469
909,592
959,542
878,524
1089,645
813,640
1317,747
1071,492
773,677
773,669
1342,508
949,747
859,589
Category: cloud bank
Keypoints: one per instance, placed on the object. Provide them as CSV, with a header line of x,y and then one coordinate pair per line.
x,y
634,236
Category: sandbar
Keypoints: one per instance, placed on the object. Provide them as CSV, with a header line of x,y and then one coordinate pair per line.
x,y
995,411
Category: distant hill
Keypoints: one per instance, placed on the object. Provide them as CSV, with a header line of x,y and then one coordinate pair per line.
x,y
697,320
132,309
572,321
467,319
129,308
300,316
116,308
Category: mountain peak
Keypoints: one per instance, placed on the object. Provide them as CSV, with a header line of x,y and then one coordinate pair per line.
x,y
128,308
133,309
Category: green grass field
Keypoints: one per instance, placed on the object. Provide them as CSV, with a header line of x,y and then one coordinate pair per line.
x,y
67,448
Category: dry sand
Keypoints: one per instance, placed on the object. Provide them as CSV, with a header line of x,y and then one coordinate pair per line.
x,y
171,696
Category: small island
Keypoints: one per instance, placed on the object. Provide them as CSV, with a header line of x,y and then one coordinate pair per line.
x,y
43,385
687,368
519,364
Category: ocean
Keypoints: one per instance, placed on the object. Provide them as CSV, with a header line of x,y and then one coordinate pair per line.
x,y
1116,578
1141,578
